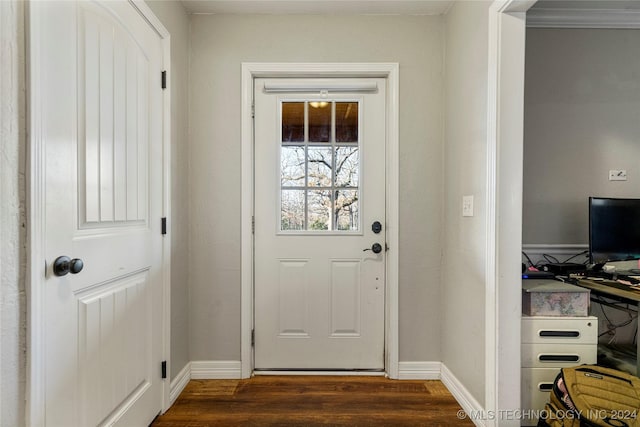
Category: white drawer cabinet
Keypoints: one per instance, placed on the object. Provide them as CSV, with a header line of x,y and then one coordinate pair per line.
x,y
565,330
557,355
548,344
536,384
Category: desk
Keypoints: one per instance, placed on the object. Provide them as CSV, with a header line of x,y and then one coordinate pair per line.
x,y
628,296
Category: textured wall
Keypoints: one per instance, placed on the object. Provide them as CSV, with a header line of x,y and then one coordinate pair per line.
x,y
219,44
12,215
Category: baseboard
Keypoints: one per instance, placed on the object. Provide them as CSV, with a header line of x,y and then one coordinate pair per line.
x,y
322,373
216,369
470,405
438,371
179,383
419,370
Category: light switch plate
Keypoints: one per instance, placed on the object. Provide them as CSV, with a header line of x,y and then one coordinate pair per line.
x,y
467,205
617,175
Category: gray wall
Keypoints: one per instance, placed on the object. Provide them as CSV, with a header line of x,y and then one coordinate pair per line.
x,y
582,99
464,256
219,44
175,19
12,215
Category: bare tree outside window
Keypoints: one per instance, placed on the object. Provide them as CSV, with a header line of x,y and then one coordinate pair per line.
x,y
320,180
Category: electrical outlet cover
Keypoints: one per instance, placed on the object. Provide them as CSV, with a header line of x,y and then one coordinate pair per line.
x,y
617,175
467,205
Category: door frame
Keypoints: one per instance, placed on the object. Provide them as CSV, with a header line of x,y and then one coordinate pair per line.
x,y
507,30
36,205
503,227
389,71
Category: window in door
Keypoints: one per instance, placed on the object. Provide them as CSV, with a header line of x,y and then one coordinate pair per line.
x,y
320,166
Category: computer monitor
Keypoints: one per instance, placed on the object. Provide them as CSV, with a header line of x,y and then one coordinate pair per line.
x,y
614,229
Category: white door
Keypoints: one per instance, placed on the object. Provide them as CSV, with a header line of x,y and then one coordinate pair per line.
x,y
319,190
98,103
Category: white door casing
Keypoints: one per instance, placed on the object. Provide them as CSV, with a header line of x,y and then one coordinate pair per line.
x,y
98,190
388,71
319,296
505,99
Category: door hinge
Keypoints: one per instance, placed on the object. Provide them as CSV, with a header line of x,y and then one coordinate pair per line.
x,y
253,225
164,369
253,110
253,338
164,79
163,225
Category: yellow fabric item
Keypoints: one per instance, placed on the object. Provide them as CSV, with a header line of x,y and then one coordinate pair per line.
x,y
601,397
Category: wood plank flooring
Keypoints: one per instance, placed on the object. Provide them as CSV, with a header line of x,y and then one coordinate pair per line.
x,y
312,401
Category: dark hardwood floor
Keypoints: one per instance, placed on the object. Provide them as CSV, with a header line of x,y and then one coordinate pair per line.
x,y
312,401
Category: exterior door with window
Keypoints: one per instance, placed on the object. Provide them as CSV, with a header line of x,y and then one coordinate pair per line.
x,y
319,224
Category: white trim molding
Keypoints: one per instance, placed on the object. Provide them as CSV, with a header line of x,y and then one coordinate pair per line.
x,y
419,370
469,404
389,71
203,370
322,373
216,370
583,18
562,252
179,383
212,369
505,105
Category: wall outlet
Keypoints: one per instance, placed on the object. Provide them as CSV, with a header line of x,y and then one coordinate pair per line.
x,y
467,205
617,175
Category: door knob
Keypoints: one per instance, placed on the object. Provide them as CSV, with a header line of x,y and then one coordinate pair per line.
x,y
64,265
376,248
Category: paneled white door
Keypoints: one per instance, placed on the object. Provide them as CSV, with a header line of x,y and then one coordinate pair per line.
x,y
97,74
319,224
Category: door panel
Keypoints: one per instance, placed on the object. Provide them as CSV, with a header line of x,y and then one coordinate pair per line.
x,y
319,185
99,66
345,298
114,319
293,303
113,80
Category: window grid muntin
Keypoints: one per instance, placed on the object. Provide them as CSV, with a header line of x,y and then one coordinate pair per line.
x,y
333,189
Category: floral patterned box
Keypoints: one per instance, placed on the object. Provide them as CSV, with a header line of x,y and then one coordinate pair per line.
x,y
554,298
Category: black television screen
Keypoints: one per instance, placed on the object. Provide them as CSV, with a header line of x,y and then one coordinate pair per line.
x,y
614,229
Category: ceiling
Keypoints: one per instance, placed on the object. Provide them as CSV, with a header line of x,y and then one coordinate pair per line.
x,y
319,7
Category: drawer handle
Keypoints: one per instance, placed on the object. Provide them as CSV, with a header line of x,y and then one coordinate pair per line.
x,y
545,386
558,358
559,334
